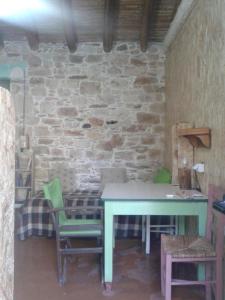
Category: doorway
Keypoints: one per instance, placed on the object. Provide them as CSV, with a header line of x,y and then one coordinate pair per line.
x,y
7,174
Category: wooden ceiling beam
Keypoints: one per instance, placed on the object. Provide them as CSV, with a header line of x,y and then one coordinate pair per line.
x,y
182,13
145,26
1,41
110,15
69,25
31,32
32,38
176,5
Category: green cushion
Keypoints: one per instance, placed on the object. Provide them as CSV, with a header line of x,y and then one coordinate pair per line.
x,y
83,233
80,233
162,176
71,222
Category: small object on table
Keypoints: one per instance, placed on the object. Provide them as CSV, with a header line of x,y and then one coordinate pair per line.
x,y
184,175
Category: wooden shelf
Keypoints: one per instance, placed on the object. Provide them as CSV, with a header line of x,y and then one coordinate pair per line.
x,y
198,137
24,187
24,175
23,170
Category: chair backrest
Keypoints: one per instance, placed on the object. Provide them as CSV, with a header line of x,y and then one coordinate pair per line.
x,y
67,177
214,193
162,176
53,192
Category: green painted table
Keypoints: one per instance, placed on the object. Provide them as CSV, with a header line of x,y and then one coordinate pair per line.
x,y
138,198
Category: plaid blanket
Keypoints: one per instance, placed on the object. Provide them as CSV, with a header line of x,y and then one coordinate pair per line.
x,y
35,220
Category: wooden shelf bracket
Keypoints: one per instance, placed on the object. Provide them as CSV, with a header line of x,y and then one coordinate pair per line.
x,y
198,137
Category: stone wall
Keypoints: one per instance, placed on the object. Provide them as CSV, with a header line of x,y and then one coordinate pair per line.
x,y
7,175
92,109
195,89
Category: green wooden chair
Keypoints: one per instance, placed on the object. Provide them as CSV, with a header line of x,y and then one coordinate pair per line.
x,y
66,228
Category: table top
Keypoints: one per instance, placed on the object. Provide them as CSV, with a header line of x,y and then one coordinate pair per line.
x,y
149,191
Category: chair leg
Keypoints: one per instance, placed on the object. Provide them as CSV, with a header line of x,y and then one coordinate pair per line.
x,y
143,229
60,269
171,224
101,268
219,260
176,224
114,233
64,269
68,242
158,222
208,290
69,245
162,267
168,277
148,232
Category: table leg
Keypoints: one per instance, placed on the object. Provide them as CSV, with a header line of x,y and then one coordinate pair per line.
x,y
181,225
108,248
202,223
201,231
219,253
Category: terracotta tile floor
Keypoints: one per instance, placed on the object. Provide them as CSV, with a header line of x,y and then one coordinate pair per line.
x,y
136,276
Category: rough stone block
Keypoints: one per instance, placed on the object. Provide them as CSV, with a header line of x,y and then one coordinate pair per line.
x,y
124,155
142,80
45,141
158,108
148,118
137,62
41,131
96,121
158,129
98,106
141,149
148,140
90,88
116,140
119,60
77,59
34,61
51,121
94,58
134,128
67,112
41,150
73,133
37,80
122,47
86,125
95,135
77,77
154,153
38,91
57,152
62,92
46,108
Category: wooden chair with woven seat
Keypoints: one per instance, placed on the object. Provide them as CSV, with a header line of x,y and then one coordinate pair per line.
x,y
195,249
67,229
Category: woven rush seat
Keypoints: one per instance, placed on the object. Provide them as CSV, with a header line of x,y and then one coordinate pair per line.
x,y
187,246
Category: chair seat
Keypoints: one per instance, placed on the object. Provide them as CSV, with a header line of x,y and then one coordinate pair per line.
x,y
187,246
82,232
